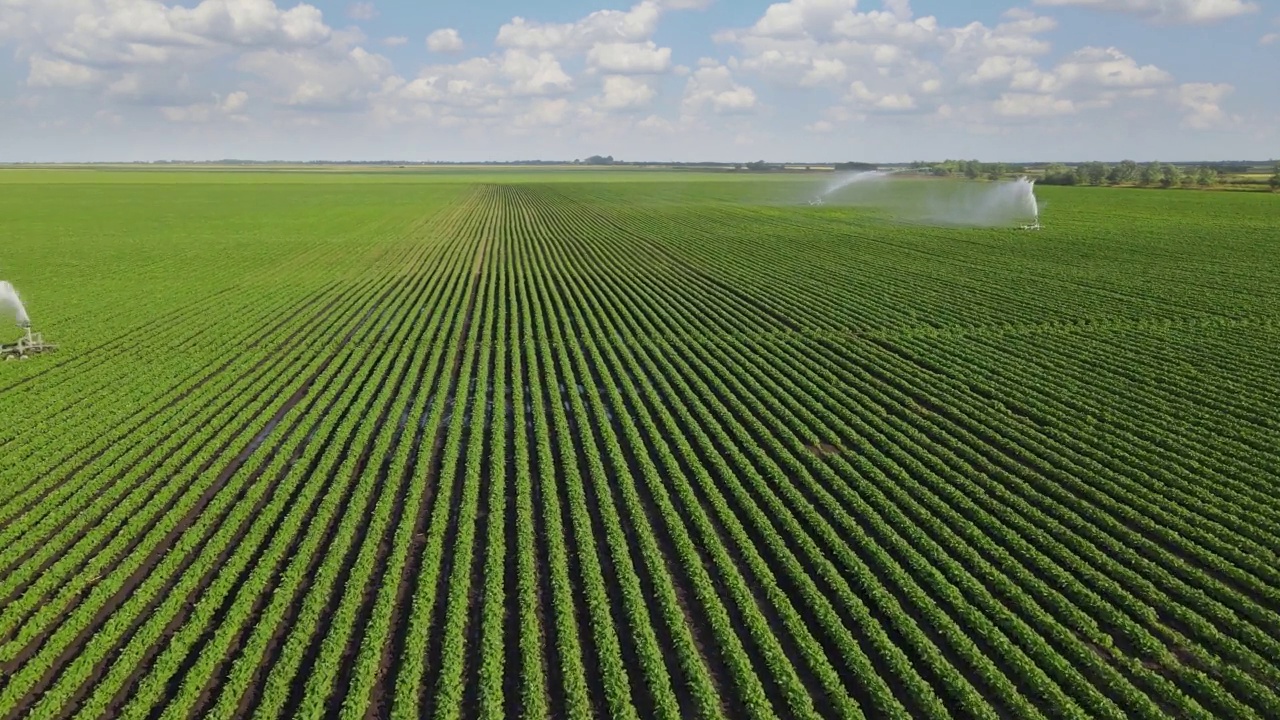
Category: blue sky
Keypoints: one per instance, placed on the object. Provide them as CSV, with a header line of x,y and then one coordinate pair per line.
x,y
801,80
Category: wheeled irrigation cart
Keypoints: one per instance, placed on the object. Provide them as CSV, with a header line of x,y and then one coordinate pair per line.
x,y
27,345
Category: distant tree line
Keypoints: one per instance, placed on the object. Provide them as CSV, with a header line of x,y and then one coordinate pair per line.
x,y
1125,172
971,169
1128,172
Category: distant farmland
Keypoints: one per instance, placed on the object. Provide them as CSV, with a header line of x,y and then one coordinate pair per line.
x,y
648,446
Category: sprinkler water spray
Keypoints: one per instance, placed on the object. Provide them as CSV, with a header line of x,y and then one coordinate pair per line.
x,y
1029,201
844,180
1004,203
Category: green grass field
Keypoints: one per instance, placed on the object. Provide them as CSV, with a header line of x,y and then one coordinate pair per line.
x,y
633,444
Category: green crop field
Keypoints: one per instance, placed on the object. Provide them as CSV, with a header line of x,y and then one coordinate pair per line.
x,y
633,444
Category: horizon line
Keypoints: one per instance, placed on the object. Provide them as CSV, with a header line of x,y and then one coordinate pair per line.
x,y
579,162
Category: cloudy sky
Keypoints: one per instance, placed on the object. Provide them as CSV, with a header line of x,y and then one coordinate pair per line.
x,y
802,80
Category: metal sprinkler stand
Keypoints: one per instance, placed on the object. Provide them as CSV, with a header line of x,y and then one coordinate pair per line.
x,y
28,345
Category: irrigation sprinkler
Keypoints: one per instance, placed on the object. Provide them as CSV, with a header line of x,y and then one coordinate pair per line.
x,y
817,201
27,345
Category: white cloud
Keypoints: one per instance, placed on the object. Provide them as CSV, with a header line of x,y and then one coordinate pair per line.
x,y
477,88
901,61
50,72
470,83
631,57
234,102
362,11
603,26
231,106
145,52
1000,69
333,79
1017,36
444,40
686,4
531,74
108,34
788,66
186,114
714,87
1091,78
1202,105
108,117
892,62
1110,68
655,124
165,86
863,96
1030,105
801,18
91,63
622,92
823,71
244,22
544,113
614,44
1166,11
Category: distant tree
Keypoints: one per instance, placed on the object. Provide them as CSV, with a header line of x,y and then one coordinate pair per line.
x,y
1206,176
1125,172
1150,173
972,169
995,171
1095,172
854,166
598,160
1128,171
1170,175
1058,174
946,168
1275,178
